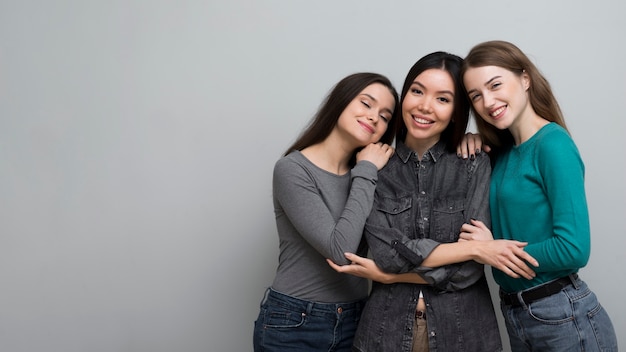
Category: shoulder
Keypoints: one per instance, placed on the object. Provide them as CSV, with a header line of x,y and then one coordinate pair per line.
x,y
555,149
291,164
553,141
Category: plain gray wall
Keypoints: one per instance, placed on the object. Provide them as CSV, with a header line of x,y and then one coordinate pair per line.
x,y
137,140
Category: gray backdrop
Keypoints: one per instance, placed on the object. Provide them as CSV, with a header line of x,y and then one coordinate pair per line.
x,y
137,140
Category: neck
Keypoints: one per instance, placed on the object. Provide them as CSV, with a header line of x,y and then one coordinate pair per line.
x,y
526,126
421,146
330,156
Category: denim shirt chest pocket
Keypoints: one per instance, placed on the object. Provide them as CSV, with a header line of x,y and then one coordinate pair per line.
x,y
447,219
397,211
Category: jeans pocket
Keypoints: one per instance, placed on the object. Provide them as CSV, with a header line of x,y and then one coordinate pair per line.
x,y
278,317
552,310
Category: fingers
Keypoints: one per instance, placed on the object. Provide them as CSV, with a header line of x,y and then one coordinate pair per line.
x,y
333,265
462,149
518,264
470,146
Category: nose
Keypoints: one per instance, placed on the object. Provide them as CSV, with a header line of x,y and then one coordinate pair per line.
x,y
424,106
488,100
373,116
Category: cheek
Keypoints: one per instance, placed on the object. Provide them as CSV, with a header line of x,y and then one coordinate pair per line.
x,y
445,113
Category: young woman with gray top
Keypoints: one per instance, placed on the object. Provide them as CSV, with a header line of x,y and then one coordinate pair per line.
x,y
323,190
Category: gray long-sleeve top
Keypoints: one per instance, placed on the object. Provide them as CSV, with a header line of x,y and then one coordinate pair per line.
x,y
320,215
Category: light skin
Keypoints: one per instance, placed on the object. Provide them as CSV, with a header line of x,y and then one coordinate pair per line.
x,y
427,111
500,97
362,123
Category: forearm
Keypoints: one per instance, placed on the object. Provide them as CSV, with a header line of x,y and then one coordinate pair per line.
x,y
451,253
411,278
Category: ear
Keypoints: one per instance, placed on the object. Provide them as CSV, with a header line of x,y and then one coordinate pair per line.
x,y
525,80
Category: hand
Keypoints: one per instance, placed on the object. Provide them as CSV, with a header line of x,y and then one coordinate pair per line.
x,y
367,268
471,144
475,231
376,153
507,256
361,267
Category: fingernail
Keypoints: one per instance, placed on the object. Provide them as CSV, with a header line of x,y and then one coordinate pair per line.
x,y
464,156
477,151
472,157
458,155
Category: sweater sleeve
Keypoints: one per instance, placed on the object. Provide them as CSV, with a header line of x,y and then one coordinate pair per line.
x,y
298,194
562,173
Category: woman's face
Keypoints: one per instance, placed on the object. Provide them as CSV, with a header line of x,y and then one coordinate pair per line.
x,y
498,95
427,108
365,119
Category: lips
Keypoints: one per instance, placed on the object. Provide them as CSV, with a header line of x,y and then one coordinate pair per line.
x,y
498,112
367,127
421,120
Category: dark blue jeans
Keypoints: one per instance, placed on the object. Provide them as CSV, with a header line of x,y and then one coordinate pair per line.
x,y
571,320
287,323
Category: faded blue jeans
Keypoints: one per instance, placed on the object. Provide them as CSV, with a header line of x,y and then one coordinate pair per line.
x,y
570,320
286,323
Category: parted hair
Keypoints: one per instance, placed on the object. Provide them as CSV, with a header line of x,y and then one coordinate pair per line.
x,y
336,102
450,63
508,56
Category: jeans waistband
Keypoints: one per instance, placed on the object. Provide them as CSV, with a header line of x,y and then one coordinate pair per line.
x,y
539,292
279,298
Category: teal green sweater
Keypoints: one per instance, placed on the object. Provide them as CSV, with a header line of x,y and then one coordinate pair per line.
x,y
538,196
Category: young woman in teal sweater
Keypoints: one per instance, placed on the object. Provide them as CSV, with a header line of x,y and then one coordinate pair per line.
x,y
537,196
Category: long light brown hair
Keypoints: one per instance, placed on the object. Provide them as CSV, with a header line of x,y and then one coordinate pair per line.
x,y
508,56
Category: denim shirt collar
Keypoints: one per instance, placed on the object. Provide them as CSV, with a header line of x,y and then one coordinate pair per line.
x,y
405,153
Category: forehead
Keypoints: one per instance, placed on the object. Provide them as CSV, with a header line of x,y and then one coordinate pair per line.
x,y
480,75
435,79
379,92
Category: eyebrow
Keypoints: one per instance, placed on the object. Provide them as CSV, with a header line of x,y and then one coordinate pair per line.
x,y
440,92
486,83
374,99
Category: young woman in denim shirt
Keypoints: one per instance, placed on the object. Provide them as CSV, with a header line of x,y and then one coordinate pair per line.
x,y
537,196
425,197
323,190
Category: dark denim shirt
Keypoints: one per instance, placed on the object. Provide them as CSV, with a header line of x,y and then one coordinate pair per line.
x,y
419,204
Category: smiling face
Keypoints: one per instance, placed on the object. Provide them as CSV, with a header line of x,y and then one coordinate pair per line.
x,y
365,119
427,108
498,95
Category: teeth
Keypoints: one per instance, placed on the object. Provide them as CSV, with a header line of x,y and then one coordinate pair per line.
x,y
497,112
418,120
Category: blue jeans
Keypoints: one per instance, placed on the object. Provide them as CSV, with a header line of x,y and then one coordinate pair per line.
x,y
287,323
570,320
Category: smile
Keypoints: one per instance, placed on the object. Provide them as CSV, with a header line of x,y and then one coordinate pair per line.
x,y
367,127
422,121
498,111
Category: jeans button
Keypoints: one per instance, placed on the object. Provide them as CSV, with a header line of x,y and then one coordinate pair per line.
x,y
339,310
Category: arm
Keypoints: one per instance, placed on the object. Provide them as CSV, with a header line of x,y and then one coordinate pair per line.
x,y
366,268
298,197
562,172
451,266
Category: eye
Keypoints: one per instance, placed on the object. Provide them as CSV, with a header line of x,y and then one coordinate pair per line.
x,y
495,85
443,99
416,91
385,118
474,97
366,103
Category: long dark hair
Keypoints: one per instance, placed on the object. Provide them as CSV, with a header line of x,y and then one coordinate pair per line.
x,y
510,57
335,103
450,63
